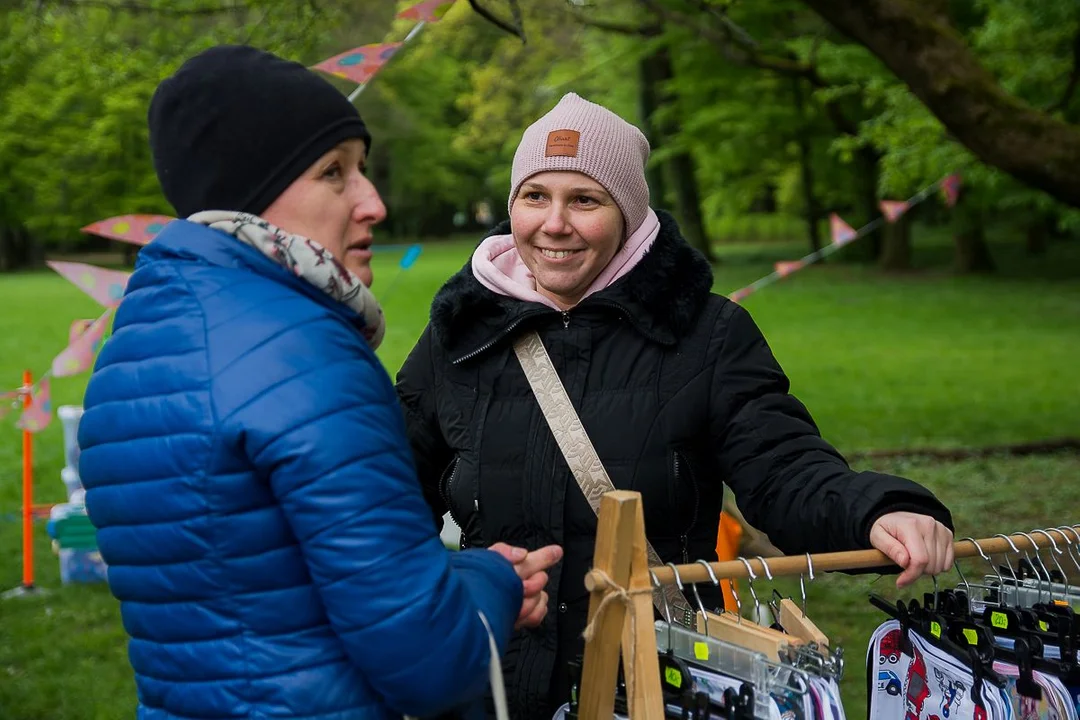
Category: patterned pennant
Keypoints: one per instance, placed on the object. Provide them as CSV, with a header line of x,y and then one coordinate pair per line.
x,y
786,267
842,233
78,356
78,327
893,209
134,229
105,286
359,64
951,186
428,11
37,416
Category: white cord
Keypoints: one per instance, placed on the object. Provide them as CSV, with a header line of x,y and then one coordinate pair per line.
x,y
498,689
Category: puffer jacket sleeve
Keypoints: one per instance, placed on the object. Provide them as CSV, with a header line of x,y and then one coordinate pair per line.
x,y
416,390
788,481
323,425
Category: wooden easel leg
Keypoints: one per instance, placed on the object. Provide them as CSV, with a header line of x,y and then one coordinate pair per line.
x,y
613,554
639,650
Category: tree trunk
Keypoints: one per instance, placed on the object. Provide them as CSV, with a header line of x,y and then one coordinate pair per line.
x,y
14,249
683,178
972,252
811,208
648,103
681,171
896,250
932,59
867,170
1037,235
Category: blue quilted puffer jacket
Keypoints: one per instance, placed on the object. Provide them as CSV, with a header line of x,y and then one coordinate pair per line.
x,y
246,465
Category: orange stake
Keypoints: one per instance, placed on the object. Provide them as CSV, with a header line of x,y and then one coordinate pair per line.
x,y
28,492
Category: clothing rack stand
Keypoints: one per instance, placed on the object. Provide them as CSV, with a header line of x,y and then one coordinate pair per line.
x,y
620,598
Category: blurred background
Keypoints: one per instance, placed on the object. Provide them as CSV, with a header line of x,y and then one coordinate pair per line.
x,y
942,346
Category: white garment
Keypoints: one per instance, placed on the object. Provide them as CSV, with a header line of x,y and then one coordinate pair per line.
x,y
928,685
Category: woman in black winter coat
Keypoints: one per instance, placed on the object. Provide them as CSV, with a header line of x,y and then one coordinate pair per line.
x,y
676,387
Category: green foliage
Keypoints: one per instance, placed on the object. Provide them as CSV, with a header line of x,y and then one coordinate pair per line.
x,y
74,91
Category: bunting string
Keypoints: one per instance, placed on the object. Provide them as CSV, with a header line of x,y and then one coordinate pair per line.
x,y
843,234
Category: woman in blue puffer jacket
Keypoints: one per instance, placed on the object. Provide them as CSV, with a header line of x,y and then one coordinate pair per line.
x,y
242,448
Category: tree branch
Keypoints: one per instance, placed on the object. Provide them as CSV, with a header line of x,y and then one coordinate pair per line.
x,y
739,52
644,30
140,7
933,60
501,24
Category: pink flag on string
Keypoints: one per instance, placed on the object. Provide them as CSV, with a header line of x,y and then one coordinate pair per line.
x,y
359,64
893,209
786,267
37,416
842,233
739,294
78,327
78,356
105,286
951,186
134,229
428,11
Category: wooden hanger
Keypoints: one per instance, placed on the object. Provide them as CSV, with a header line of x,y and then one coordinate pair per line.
x,y
796,623
747,634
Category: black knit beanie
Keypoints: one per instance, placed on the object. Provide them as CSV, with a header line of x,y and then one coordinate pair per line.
x,y
235,126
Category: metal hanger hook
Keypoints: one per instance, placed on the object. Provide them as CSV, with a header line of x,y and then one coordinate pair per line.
x,y
753,577
1014,549
1036,568
1057,551
675,571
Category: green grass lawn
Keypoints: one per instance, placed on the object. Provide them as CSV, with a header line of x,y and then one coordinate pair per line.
x,y
883,361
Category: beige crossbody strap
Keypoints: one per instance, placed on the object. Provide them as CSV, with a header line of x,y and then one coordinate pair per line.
x,y
579,452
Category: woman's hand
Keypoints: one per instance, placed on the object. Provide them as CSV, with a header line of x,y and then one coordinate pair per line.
x,y
532,568
918,543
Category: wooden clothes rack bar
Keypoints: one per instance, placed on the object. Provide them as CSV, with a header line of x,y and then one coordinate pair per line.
x,y
620,603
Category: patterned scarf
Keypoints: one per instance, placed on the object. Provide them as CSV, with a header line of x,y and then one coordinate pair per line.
x,y
306,259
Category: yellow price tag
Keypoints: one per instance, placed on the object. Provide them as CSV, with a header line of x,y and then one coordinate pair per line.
x,y
701,651
673,677
935,629
999,620
971,636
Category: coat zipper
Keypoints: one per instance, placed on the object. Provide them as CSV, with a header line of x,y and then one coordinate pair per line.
x,y
444,491
684,539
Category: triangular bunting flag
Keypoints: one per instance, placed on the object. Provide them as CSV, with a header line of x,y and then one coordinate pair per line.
x,y
842,233
105,286
786,267
78,356
134,229
36,417
951,186
78,327
893,209
428,11
359,64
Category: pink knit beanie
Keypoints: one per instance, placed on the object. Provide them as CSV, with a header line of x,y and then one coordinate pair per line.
x,y
585,137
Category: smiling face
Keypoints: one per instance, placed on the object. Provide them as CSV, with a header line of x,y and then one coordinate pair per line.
x,y
334,204
567,228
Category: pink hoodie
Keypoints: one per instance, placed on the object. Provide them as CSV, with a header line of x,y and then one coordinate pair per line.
x,y
498,266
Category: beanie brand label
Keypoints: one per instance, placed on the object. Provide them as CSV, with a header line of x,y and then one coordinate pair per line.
x,y
562,143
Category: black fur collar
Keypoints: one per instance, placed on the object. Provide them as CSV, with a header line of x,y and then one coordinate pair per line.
x,y
660,297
